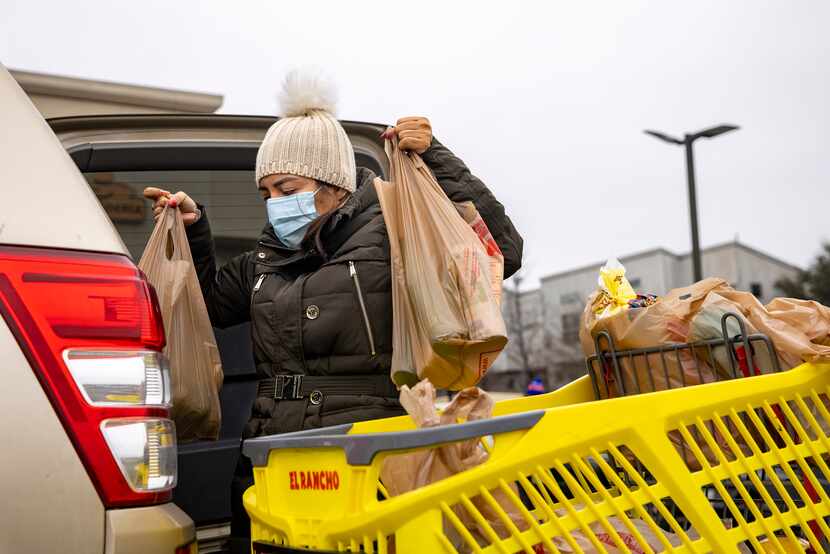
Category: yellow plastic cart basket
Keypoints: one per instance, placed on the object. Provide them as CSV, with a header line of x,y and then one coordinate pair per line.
x,y
732,466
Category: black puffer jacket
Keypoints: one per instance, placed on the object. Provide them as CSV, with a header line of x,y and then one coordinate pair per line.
x,y
304,306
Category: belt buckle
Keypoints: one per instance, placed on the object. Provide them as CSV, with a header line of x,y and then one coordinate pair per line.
x,y
278,387
288,387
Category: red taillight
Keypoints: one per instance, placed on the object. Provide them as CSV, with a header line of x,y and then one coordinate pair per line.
x,y
85,297
57,302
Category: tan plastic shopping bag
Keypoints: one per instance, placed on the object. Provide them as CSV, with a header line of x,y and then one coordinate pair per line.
x,y
195,367
405,472
446,280
799,329
650,326
665,321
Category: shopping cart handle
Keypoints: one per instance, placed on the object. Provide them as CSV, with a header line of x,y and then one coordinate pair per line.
x,y
361,449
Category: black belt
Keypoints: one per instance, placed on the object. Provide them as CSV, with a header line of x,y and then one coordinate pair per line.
x,y
295,387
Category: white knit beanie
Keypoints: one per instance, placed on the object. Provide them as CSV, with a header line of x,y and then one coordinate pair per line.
x,y
308,140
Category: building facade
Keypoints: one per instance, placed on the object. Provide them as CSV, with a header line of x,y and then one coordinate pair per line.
x,y
550,314
59,96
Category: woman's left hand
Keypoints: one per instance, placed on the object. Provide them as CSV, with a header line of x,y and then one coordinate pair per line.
x,y
414,133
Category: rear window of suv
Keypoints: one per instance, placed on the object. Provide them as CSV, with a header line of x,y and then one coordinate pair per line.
x,y
235,208
236,211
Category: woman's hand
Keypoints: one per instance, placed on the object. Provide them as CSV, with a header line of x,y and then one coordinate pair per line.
x,y
414,133
161,198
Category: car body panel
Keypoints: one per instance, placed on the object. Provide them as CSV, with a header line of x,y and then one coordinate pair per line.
x,y
160,528
46,201
50,503
108,132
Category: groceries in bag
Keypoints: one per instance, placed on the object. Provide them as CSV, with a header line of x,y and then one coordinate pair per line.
x,y
711,322
639,321
402,473
693,335
195,366
635,321
799,329
446,280
469,213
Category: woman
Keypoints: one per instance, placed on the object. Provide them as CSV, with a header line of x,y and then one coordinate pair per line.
x,y
317,288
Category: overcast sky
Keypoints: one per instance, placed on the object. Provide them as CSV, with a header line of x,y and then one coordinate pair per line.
x,y
545,101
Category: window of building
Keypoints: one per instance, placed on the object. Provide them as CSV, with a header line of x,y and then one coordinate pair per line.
x,y
570,298
635,283
570,328
756,290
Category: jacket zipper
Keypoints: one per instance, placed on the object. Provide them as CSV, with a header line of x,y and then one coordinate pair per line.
x,y
259,282
353,275
255,337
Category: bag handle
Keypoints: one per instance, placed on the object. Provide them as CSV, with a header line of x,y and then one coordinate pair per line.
x,y
361,449
172,224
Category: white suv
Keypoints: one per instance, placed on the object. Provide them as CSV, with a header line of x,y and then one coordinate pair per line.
x,y
89,456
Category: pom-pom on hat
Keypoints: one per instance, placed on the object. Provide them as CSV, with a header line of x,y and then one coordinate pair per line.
x,y
308,140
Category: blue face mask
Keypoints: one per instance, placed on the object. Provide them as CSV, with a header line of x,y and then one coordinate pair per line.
x,y
291,215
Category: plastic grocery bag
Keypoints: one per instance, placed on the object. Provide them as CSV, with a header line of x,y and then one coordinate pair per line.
x,y
662,322
799,329
402,473
195,366
666,320
446,280
708,324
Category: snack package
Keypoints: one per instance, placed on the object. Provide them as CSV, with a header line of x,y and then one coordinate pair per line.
x,y
614,292
469,213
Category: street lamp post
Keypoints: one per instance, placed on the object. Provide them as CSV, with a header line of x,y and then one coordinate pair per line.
x,y
688,140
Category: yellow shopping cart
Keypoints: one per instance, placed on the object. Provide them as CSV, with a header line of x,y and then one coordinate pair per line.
x,y
728,466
